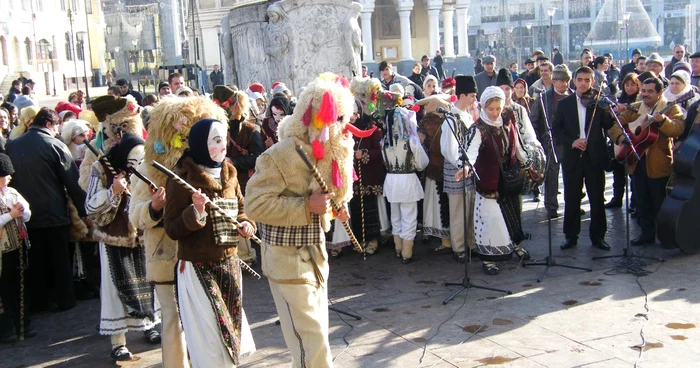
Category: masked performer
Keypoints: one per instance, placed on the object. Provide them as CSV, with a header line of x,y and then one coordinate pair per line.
x,y
170,122
293,213
208,273
127,299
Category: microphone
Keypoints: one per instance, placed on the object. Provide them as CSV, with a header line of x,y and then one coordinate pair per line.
x,y
442,110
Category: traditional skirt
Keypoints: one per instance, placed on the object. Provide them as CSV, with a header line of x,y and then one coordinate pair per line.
x,y
492,238
127,300
364,210
337,237
511,208
209,296
436,210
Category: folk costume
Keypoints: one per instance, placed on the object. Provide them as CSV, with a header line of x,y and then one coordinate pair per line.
x,y
403,155
293,251
493,147
460,238
436,208
13,245
128,301
281,109
170,122
208,273
245,144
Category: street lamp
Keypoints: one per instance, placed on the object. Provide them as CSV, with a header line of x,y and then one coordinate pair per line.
x,y
53,76
550,12
72,45
528,25
116,56
626,16
81,39
218,37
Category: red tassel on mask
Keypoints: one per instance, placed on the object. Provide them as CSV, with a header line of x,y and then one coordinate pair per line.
x,y
328,112
317,147
308,114
335,175
453,98
415,108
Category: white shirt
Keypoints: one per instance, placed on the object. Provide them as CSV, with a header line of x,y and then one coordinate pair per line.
x,y
448,143
581,118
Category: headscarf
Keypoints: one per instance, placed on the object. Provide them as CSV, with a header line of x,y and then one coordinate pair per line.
x,y
199,149
682,76
119,154
489,93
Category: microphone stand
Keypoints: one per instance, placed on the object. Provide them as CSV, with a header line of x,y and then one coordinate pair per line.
x,y
466,281
627,252
550,261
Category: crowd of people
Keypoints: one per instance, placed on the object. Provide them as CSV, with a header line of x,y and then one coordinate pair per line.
x,y
406,158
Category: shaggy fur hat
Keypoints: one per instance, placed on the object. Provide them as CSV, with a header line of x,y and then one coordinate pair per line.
x,y
6,167
504,77
118,115
366,90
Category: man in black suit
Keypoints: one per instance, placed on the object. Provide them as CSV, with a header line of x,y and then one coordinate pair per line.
x,y
584,158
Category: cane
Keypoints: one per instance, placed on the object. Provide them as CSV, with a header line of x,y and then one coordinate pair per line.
x,y
211,205
336,205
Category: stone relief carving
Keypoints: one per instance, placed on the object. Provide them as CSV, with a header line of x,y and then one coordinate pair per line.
x,y
292,41
227,46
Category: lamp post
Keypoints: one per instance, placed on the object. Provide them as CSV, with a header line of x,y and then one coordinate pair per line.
x,y
626,16
218,37
528,25
135,43
550,12
509,37
53,76
72,46
81,39
116,56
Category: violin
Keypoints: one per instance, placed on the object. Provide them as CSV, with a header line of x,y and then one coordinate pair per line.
x,y
594,97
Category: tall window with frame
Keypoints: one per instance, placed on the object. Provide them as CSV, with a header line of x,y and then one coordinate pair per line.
x,y
28,48
88,6
69,50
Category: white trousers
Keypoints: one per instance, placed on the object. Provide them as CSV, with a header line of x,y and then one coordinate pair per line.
x,y
404,220
303,313
173,337
384,222
201,324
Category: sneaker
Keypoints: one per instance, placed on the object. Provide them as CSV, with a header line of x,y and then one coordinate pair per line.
x,y
490,268
522,254
152,335
121,354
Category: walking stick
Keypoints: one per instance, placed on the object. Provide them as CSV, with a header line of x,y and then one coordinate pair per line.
x,y
211,205
336,205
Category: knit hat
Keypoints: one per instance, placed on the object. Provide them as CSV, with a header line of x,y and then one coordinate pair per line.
x,y
104,106
682,65
655,58
122,82
222,94
163,84
504,77
119,154
257,87
465,85
636,52
492,92
197,141
561,72
183,89
682,75
73,129
6,167
489,59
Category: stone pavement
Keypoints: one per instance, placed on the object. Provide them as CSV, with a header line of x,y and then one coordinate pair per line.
x,y
571,319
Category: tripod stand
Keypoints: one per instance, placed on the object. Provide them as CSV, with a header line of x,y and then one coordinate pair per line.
x,y
550,261
334,309
466,281
626,252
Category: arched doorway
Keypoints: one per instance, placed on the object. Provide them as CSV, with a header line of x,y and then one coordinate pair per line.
x,y
18,54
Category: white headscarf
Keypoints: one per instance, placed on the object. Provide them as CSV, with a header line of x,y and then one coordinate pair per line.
x,y
489,93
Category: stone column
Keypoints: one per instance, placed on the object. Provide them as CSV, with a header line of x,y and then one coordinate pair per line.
x,y
405,8
448,36
366,19
434,26
462,32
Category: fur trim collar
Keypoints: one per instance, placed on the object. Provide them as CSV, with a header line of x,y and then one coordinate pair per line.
x,y
196,177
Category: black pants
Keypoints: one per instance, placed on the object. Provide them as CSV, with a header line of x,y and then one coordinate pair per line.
x,y
650,195
9,292
595,188
50,264
619,177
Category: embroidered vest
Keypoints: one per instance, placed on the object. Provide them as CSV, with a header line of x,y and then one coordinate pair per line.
x,y
120,225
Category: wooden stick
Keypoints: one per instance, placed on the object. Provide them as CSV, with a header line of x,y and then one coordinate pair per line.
x,y
102,158
211,205
336,205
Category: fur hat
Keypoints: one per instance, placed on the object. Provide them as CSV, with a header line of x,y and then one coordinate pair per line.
x,y
655,58
6,167
465,85
222,95
118,115
504,77
107,105
561,72
367,90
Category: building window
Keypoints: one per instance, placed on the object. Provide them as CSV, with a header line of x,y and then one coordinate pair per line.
x,y
69,49
79,50
28,48
227,3
207,4
43,50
